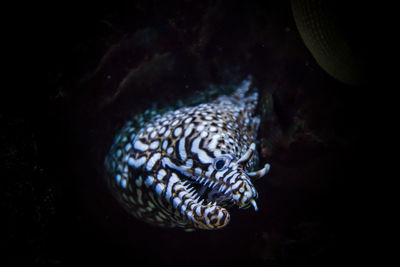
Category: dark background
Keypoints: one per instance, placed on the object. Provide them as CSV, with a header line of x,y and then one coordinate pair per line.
x,y
65,101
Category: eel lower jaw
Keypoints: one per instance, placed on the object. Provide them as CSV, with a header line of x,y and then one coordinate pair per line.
x,y
203,202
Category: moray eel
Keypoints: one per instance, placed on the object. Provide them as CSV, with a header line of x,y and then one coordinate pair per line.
x,y
185,167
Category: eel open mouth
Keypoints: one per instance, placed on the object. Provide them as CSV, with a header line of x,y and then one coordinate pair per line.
x,y
209,192
203,199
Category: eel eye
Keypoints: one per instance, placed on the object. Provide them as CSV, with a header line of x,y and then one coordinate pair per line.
x,y
221,163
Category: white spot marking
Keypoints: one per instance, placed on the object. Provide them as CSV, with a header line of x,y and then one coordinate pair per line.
x,y
183,208
229,176
123,183
176,202
217,153
189,163
248,194
118,178
200,128
172,180
177,131
182,194
161,174
174,123
236,197
162,130
132,137
140,146
220,215
167,133
152,161
164,145
182,150
233,179
214,141
159,188
198,171
218,175
136,163
149,181
154,145
209,171
198,210
236,185
189,130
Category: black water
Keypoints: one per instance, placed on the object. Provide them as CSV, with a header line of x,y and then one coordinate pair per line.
x,y
62,109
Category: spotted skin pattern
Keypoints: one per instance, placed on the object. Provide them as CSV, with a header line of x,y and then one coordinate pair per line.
x,y
185,167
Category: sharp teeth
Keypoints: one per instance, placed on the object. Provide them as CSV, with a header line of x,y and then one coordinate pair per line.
x,y
212,203
202,190
222,188
191,189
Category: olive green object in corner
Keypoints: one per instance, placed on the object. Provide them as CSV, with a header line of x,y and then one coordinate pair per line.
x,y
330,34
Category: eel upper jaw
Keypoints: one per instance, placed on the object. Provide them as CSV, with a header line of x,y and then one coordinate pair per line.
x,y
202,188
211,191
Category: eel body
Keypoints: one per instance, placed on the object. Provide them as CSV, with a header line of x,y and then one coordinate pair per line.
x,y
184,168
